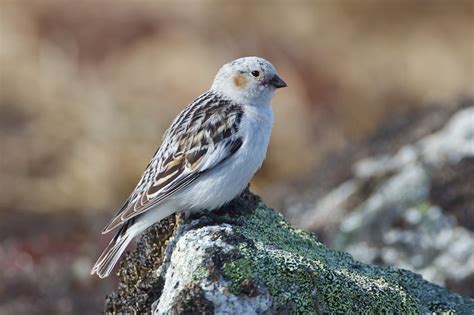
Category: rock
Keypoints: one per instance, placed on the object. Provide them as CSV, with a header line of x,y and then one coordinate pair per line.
x,y
412,208
247,259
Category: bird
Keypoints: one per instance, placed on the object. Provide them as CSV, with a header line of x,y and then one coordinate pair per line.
x,y
207,156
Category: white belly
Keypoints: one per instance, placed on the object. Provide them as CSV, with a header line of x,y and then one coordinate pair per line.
x,y
226,181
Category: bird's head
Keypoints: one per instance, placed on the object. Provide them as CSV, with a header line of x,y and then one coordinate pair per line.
x,y
252,80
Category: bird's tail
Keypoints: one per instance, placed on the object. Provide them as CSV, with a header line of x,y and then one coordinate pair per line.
x,y
111,254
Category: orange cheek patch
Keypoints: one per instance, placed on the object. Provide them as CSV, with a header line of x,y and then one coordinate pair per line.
x,y
239,81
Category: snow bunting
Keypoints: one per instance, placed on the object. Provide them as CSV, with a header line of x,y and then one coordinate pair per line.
x,y
207,157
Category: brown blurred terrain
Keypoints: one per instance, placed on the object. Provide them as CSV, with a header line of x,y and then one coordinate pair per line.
x,y
88,88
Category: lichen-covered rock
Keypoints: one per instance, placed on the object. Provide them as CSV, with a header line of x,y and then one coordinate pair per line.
x,y
249,260
411,208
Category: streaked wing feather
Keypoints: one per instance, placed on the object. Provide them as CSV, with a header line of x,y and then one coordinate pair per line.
x,y
204,135
150,203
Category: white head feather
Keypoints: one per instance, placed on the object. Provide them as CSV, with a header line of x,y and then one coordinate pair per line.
x,y
251,80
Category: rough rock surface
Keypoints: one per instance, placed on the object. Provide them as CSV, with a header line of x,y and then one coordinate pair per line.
x,y
247,259
412,207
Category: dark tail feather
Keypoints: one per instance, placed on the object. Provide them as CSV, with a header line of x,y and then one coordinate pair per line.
x,y
111,254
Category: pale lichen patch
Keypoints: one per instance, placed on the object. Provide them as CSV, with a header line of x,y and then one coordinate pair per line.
x,y
257,263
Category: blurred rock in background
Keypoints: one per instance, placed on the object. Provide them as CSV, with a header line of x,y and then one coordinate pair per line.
x,y
88,88
411,205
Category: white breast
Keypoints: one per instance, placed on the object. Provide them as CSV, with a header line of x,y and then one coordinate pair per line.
x,y
256,129
229,179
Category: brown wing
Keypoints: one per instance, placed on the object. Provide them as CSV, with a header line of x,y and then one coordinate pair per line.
x,y
211,139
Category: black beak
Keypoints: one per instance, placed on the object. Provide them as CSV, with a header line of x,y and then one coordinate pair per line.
x,y
277,82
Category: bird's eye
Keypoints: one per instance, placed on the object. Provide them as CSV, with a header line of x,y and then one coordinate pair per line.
x,y
255,73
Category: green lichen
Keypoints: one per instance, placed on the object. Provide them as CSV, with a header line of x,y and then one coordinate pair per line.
x,y
423,206
241,270
269,256
200,273
301,272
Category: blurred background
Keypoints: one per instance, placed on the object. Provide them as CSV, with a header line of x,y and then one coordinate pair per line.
x,y
88,88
